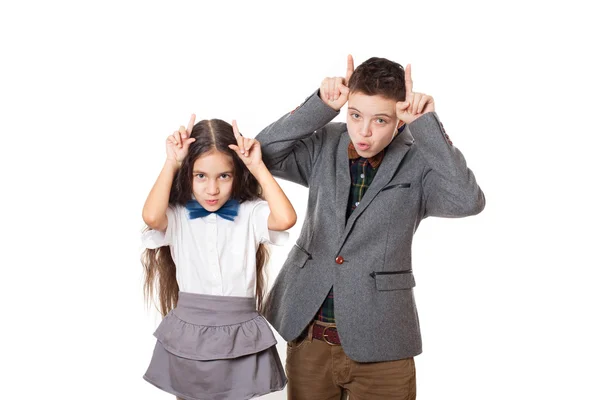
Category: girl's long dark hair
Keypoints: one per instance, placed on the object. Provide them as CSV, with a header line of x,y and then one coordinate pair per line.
x,y
160,278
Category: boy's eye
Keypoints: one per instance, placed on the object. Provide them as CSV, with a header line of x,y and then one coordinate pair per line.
x,y
380,121
355,115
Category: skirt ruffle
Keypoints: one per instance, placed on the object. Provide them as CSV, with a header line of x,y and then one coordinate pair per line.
x,y
215,347
198,342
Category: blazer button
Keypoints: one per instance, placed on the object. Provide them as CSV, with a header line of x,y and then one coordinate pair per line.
x,y
339,259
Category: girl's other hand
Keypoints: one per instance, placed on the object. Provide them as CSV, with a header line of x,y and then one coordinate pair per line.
x,y
179,142
247,149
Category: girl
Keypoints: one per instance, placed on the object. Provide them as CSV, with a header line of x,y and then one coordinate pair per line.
x,y
205,254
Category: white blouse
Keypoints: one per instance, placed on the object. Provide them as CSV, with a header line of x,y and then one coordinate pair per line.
x,y
215,256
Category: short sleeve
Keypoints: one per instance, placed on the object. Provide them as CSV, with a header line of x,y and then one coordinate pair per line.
x,y
153,239
260,217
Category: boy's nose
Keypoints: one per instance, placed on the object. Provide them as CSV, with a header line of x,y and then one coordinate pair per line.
x,y
365,130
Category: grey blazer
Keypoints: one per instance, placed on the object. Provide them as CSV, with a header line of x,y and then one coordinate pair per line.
x,y
375,309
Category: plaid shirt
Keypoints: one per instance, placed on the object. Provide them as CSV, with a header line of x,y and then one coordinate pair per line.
x,y
362,172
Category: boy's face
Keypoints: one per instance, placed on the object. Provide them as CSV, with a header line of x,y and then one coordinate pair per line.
x,y
371,122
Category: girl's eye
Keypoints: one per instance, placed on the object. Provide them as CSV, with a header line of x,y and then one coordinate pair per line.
x,y
199,176
380,121
355,115
225,176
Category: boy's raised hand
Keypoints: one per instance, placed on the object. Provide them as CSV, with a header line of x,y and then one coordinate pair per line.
x,y
334,91
247,149
179,142
415,104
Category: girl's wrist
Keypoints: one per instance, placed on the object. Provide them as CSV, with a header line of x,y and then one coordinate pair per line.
x,y
261,173
170,163
258,168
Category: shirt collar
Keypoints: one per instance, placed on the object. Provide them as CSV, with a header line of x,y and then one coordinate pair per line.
x,y
375,161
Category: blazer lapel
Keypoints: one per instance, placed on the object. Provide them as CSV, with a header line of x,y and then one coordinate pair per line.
x,y
342,179
394,154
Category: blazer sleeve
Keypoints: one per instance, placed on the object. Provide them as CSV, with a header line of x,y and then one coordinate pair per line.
x,y
291,144
449,187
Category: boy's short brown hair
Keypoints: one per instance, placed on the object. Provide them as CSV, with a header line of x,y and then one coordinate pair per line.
x,y
379,76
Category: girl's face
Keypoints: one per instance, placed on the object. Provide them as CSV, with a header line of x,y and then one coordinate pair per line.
x,y
212,181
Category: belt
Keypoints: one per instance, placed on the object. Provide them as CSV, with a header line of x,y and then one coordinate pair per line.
x,y
328,334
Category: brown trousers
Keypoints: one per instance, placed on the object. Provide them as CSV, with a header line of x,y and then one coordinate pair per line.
x,y
317,370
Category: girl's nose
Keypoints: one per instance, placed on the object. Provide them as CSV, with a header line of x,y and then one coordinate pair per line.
x,y
212,188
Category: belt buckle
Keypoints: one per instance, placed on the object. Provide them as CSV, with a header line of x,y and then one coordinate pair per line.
x,y
325,336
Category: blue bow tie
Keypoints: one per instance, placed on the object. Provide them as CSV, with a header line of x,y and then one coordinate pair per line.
x,y
229,210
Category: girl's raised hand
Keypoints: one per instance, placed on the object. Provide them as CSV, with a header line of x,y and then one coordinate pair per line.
x,y
179,142
247,149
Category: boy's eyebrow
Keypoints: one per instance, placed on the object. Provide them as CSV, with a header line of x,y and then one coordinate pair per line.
x,y
379,114
382,115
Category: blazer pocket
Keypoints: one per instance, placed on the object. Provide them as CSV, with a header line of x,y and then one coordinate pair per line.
x,y
393,280
398,185
299,256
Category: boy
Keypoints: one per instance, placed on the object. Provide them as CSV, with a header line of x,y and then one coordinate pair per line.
x,y
371,181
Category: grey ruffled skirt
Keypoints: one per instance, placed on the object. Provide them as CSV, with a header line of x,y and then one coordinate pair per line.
x,y
215,347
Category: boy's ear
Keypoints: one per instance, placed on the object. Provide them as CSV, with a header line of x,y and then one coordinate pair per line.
x,y
400,123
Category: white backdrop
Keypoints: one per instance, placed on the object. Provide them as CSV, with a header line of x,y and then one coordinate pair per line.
x,y
508,300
